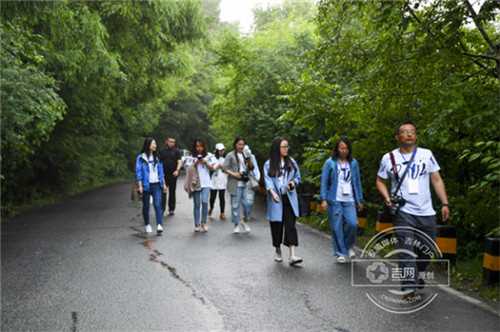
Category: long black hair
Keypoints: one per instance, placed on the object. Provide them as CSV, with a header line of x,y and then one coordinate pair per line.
x,y
275,159
203,143
216,153
239,138
335,150
146,148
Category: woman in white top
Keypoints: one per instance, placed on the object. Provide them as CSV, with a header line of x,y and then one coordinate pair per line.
x,y
204,163
219,181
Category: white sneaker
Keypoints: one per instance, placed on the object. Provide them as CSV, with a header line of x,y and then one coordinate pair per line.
x,y
246,228
351,254
149,229
341,260
278,257
159,228
236,229
294,260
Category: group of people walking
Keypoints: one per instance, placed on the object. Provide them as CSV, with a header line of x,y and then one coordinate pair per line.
x,y
341,192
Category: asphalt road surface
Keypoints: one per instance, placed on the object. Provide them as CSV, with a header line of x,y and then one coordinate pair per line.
x,y
84,264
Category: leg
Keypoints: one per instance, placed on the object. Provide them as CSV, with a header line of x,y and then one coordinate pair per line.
x,y
335,215
425,248
405,245
156,192
276,233
351,224
222,200
213,196
291,237
145,206
163,201
235,209
172,185
204,204
196,208
249,197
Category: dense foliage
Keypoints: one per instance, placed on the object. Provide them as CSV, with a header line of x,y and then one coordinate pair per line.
x,y
84,82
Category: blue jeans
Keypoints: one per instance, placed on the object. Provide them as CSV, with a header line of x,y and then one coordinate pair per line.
x,y
155,191
236,201
247,202
343,238
203,197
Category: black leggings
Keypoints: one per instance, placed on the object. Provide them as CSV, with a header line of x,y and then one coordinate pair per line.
x,y
291,237
222,199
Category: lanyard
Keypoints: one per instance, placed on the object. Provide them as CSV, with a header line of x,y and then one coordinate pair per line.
x,y
283,172
344,170
410,166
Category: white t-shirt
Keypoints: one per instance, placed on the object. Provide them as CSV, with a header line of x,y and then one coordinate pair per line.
x,y
153,171
415,188
243,168
219,178
203,171
344,188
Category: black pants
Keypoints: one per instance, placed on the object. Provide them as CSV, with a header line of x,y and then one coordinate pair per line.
x,y
222,199
288,223
171,183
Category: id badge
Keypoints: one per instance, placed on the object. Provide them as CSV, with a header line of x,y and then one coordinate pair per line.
x,y
413,186
346,190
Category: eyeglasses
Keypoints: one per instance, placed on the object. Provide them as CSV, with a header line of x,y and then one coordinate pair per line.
x,y
343,149
406,132
285,147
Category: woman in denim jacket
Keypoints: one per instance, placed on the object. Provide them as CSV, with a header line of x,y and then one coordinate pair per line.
x,y
341,194
151,182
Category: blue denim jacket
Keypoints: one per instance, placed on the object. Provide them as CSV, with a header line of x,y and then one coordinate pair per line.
x,y
275,210
142,171
330,193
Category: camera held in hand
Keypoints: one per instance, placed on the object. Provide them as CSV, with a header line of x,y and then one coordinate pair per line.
x,y
244,177
397,203
200,157
247,153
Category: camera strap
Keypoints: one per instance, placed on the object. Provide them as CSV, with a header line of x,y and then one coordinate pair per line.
x,y
393,162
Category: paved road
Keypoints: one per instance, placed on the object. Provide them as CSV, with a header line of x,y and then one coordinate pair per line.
x,y
83,264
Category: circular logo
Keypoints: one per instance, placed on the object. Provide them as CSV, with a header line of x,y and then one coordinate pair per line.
x,y
393,269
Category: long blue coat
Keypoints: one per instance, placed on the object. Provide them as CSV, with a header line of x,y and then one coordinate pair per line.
x,y
275,210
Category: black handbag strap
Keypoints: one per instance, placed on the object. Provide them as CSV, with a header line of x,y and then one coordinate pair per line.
x,y
400,181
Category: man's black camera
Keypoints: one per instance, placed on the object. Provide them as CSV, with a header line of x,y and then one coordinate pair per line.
x,y
397,203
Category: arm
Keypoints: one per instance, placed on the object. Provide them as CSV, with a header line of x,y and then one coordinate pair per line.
x,y
269,183
358,184
177,169
382,188
325,175
256,170
438,184
227,164
138,175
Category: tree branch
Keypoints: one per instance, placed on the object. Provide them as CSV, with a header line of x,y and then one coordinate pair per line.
x,y
482,56
479,27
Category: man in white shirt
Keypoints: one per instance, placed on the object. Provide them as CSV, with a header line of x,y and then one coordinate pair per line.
x,y
417,214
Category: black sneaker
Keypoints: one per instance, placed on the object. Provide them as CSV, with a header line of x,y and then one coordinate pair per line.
x,y
171,213
408,295
421,284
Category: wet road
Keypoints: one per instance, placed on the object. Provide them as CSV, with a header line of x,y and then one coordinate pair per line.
x,y
84,264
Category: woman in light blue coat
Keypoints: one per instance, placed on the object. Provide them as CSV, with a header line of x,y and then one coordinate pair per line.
x,y
282,175
341,194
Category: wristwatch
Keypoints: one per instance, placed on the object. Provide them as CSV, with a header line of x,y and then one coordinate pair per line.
x,y
446,204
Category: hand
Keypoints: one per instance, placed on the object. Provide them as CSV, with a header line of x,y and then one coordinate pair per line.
x,y
237,175
140,190
388,202
445,212
360,207
164,189
291,186
276,198
175,174
220,166
324,205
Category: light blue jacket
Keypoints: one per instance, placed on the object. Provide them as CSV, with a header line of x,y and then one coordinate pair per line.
x,y
142,171
255,171
330,193
275,210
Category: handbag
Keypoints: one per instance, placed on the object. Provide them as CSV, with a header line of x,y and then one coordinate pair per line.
x,y
253,183
136,194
